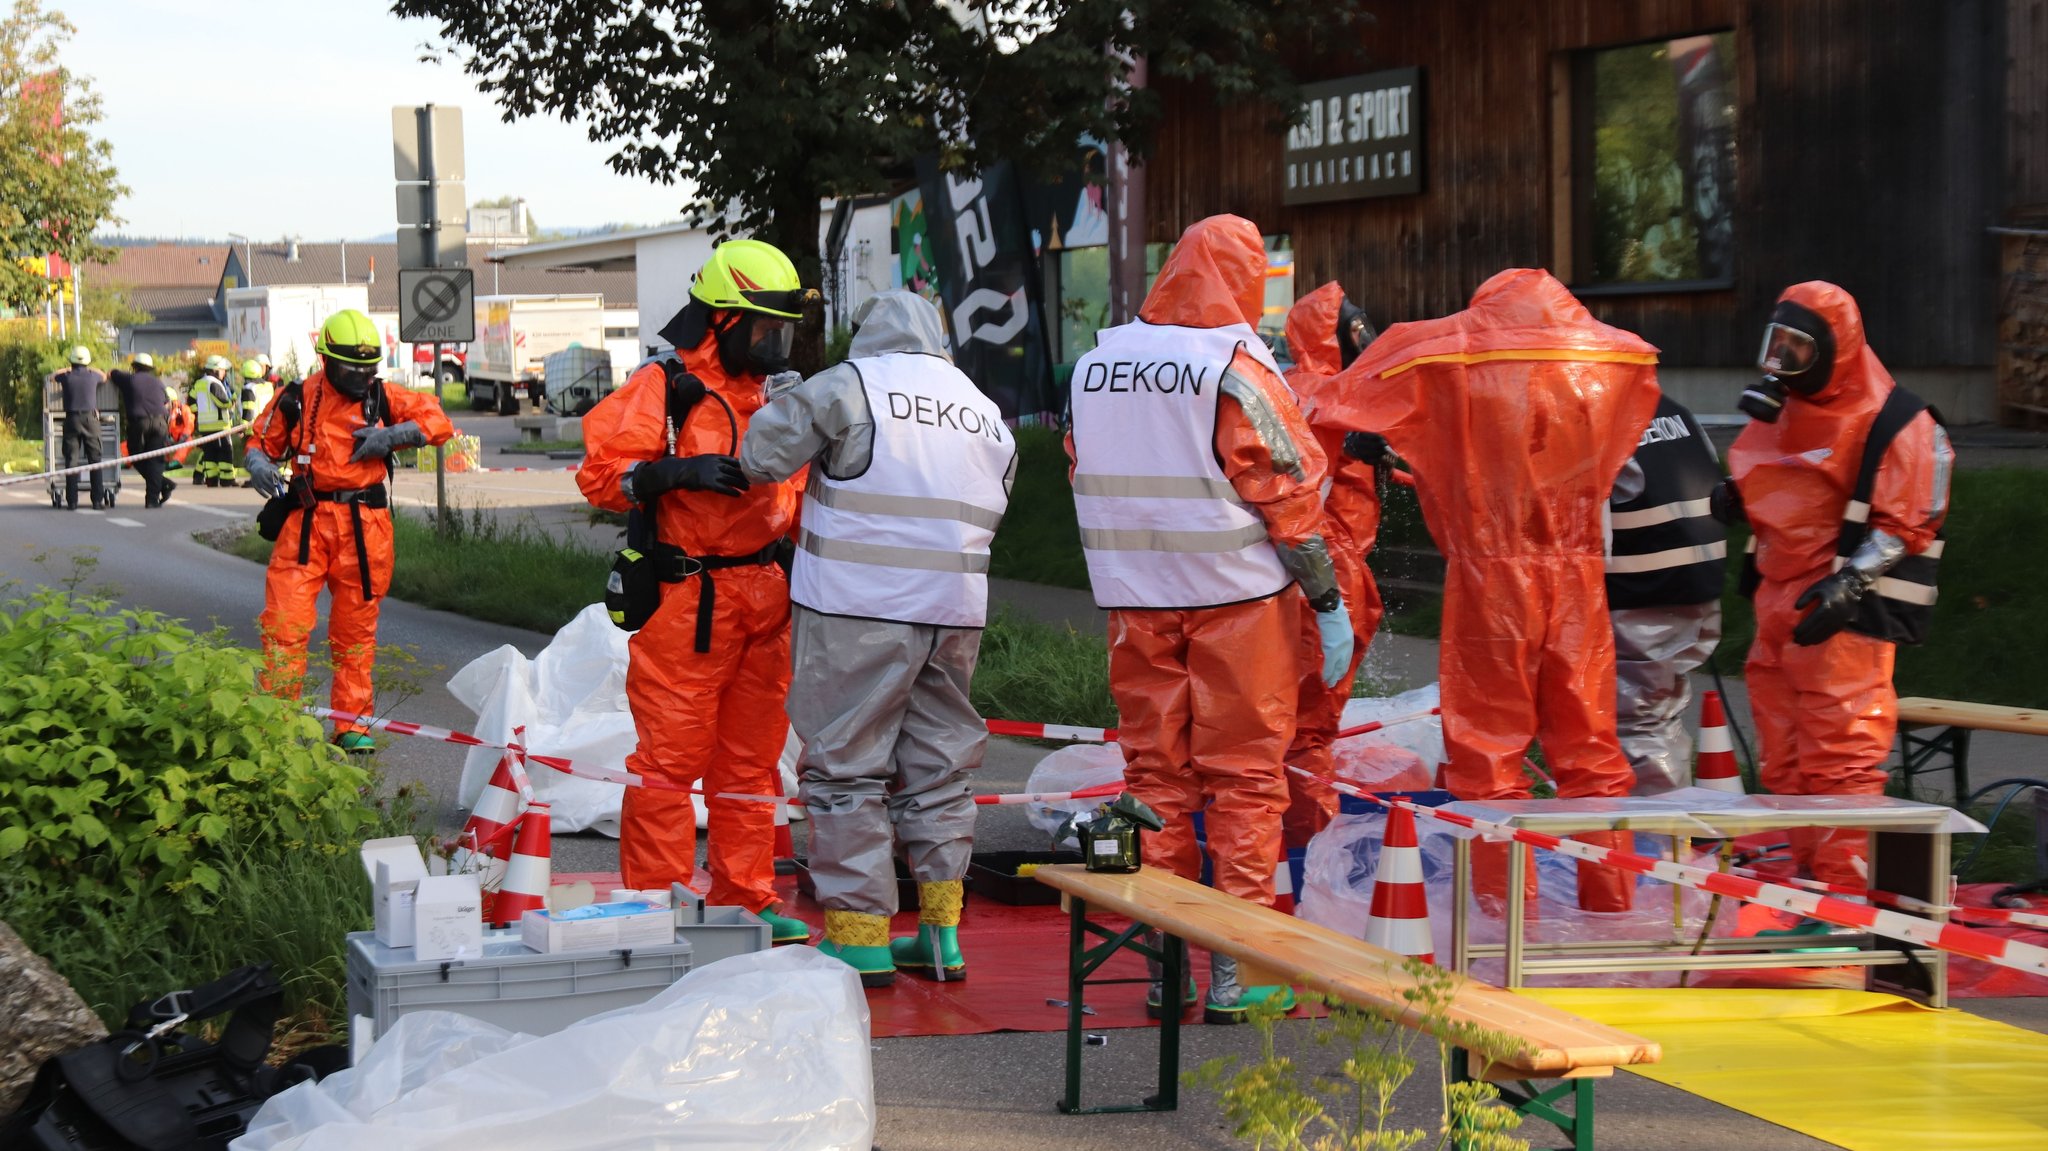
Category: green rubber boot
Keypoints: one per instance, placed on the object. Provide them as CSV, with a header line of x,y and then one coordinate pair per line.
x,y
913,953
782,928
355,742
1230,1003
861,941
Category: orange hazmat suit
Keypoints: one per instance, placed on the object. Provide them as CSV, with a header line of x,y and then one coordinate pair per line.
x,y
1350,525
344,545
1206,678
1517,415
1826,713
713,715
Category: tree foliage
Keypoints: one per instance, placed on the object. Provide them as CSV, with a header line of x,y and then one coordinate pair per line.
x,y
57,182
764,107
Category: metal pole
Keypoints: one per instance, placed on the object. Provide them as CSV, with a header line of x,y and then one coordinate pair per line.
x,y
430,227
77,304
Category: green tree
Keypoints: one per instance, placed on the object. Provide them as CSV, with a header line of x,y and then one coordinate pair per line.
x,y
57,182
765,107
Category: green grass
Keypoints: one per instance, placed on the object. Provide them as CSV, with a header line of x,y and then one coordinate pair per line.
x,y
288,907
1039,540
17,456
1042,674
488,568
2011,854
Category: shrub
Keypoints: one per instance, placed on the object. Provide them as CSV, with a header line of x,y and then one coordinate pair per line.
x,y
136,754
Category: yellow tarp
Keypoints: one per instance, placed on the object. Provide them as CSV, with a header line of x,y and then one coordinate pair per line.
x,y
1869,1072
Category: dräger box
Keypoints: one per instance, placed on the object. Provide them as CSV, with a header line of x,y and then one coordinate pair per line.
x,y
598,927
395,867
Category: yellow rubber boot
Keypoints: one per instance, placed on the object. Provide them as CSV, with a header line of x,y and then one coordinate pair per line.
x,y
861,941
934,952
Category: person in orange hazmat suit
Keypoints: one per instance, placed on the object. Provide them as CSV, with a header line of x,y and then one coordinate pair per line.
x,y
1325,332
1844,478
1516,414
337,431
709,670
1196,483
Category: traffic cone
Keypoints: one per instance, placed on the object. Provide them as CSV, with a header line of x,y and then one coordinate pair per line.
x,y
1399,920
526,877
1716,769
1283,884
490,822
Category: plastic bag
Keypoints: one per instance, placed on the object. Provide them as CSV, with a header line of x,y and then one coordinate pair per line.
x,y
1337,883
571,699
1071,769
762,1051
1420,732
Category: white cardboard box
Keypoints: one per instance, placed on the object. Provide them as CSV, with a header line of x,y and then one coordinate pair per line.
x,y
448,918
598,927
395,867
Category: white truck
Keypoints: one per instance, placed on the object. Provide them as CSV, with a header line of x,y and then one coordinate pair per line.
x,y
282,320
514,334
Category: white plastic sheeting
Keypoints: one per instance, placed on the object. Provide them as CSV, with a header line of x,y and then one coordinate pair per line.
x,y
571,699
1071,769
762,1052
1369,760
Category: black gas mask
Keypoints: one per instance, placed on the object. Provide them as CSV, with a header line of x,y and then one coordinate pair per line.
x,y
1354,332
1796,358
750,343
351,380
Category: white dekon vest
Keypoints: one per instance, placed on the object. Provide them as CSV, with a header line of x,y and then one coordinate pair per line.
x,y
907,540
1160,524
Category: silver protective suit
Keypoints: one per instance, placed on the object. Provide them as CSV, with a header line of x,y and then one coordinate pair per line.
x,y
1656,650
882,707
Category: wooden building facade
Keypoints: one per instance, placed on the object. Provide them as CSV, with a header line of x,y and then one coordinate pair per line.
x,y
1875,143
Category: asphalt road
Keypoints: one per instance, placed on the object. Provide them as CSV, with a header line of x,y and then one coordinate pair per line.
x,y
941,1093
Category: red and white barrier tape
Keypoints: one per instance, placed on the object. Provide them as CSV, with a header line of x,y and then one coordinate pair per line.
x,y
1365,728
628,778
109,465
1949,937
501,471
1994,915
1052,731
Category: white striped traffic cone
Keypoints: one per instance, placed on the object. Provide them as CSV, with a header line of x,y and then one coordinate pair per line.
x,y
1716,769
1283,884
526,877
1399,920
490,822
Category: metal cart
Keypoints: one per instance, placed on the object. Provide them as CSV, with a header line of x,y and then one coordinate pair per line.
x,y
53,443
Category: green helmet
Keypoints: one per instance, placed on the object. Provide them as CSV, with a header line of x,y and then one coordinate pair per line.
x,y
216,364
81,355
350,336
251,370
751,275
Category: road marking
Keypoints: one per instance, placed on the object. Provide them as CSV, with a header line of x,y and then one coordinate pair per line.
x,y
124,521
230,513
22,495
89,511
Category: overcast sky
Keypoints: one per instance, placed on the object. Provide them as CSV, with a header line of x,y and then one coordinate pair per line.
x,y
273,117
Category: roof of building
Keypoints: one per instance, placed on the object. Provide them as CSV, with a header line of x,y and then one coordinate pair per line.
x,y
163,266
187,305
378,264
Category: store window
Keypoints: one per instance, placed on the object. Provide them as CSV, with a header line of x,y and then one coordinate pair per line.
x,y
1653,164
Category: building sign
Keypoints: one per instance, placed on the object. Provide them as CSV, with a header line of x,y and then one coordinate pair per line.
x,y
1359,136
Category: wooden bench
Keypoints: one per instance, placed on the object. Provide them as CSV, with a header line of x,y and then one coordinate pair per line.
x,y
1274,948
1957,719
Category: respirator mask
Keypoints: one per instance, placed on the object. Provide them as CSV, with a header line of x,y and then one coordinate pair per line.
x,y
1795,358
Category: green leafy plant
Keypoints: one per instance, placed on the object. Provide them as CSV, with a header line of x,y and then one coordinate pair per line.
x,y
1279,1105
137,754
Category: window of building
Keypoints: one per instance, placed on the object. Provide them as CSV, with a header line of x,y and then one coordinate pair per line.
x,y
1653,164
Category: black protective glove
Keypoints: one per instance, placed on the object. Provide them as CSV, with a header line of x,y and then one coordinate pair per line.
x,y
1724,503
1368,447
1834,601
719,474
785,554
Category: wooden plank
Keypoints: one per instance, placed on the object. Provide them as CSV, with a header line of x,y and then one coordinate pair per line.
x,y
1918,711
1308,955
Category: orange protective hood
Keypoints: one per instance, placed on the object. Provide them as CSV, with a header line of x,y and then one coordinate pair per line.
x,y
1215,277
1312,330
1856,372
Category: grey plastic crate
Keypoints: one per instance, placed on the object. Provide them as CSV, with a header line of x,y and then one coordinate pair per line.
x,y
510,986
724,933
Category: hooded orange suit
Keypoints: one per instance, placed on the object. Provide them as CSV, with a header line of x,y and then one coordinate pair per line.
x,y
1826,714
1350,525
1517,414
1206,696
347,547
716,715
